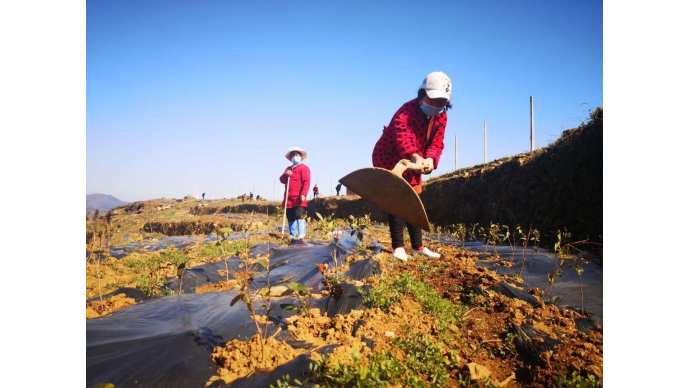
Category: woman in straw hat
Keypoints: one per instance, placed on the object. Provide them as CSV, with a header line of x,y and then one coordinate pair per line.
x,y
296,179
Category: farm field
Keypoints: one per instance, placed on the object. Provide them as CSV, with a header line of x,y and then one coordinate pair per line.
x,y
182,296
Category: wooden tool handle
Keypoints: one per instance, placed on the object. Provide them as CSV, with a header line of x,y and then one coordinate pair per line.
x,y
403,165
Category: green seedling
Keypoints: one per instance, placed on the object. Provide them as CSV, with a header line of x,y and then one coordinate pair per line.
x,y
483,236
325,226
576,380
225,245
535,238
505,237
179,260
302,293
579,269
359,223
562,246
149,279
493,236
287,382
248,297
459,232
523,238
98,244
423,363
475,232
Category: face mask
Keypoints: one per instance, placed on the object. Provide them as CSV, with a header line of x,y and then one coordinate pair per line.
x,y
296,159
430,110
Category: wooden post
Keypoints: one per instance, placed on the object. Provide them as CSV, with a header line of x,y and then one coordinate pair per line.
x,y
532,134
287,188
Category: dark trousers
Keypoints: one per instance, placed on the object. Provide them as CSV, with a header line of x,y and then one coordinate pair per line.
x,y
396,226
296,213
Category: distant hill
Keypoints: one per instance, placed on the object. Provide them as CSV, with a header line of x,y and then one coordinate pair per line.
x,y
102,202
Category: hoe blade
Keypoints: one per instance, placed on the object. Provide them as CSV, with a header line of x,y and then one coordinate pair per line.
x,y
389,192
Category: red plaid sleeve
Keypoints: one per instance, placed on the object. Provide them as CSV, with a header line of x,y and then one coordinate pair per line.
x,y
405,138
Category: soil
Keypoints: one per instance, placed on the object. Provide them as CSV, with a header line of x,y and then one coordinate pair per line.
x,y
485,343
494,316
97,308
217,287
240,358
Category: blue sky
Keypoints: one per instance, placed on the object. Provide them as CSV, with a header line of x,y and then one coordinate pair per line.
x,y
185,97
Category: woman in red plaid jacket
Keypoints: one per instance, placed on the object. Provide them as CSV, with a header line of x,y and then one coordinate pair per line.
x,y
416,133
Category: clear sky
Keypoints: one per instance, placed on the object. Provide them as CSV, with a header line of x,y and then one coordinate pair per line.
x,y
185,97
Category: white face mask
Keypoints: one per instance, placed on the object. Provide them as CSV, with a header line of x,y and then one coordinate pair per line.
x,y
296,159
430,110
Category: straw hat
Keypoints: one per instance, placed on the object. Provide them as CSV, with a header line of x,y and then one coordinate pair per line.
x,y
296,149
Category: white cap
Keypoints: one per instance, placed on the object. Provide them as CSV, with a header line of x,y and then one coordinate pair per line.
x,y
296,149
437,85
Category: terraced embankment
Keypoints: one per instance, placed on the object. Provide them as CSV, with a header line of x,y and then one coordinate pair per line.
x,y
556,187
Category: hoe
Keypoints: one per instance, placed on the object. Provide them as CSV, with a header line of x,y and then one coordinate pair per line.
x,y
389,191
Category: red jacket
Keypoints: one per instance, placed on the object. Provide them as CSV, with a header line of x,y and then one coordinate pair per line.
x,y
407,134
299,185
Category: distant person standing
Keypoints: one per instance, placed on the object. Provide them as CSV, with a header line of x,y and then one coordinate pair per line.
x,y
251,196
296,179
203,196
316,191
416,133
337,189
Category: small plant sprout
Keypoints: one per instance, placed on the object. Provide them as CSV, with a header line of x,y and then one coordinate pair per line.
x,y
562,248
98,243
99,257
494,236
483,235
224,244
554,275
359,223
247,296
535,239
507,237
179,260
434,230
324,225
149,279
302,293
475,232
562,245
579,269
327,227
524,238
460,233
